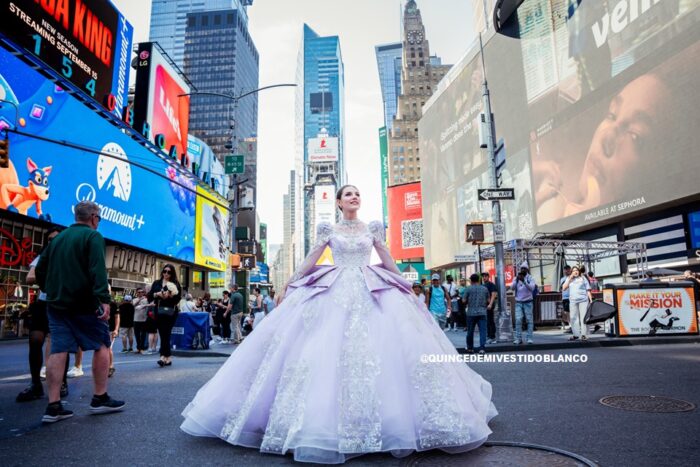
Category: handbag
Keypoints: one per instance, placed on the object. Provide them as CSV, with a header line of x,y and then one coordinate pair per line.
x,y
166,310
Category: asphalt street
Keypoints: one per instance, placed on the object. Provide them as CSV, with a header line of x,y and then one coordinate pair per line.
x,y
550,404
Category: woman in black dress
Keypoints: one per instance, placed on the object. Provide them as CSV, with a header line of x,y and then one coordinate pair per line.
x,y
165,292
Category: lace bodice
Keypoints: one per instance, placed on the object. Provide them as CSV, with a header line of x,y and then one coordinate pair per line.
x,y
351,242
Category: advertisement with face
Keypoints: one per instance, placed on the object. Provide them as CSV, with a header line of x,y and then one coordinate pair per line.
x,y
46,180
159,101
625,152
211,231
405,221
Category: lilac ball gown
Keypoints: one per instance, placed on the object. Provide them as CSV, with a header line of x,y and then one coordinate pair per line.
x,y
335,371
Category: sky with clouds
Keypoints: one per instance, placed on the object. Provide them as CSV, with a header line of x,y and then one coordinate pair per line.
x,y
276,27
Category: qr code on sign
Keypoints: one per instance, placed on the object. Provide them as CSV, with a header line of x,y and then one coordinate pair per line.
x,y
412,233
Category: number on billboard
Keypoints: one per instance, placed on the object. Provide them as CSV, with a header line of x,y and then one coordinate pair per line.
x,y
90,86
67,70
37,44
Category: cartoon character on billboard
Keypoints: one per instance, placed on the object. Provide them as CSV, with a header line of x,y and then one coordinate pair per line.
x,y
660,320
19,198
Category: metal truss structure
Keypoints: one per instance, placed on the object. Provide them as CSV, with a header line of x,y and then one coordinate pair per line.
x,y
547,250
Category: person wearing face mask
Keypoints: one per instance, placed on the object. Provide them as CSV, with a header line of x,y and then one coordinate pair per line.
x,y
352,339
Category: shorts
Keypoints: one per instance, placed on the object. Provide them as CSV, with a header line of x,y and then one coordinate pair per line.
x,y
126,332
38,321
69,331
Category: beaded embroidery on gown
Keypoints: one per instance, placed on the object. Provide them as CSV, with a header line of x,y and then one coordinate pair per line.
x,y
335,370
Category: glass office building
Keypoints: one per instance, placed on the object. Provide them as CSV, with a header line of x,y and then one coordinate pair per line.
x,y
389,66
169,21
220,57
321,107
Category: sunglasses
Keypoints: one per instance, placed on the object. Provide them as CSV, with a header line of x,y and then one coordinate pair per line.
x,y
167,271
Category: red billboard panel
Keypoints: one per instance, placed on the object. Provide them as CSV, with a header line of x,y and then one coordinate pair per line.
x,y
405,221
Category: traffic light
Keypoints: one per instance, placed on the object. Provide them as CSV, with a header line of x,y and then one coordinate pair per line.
x,y
4,152
235,261
248,261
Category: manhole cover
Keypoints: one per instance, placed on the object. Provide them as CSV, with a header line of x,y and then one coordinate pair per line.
x,y
501,454
654,404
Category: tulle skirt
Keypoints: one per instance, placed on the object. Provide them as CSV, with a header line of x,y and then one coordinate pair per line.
x,y
340,369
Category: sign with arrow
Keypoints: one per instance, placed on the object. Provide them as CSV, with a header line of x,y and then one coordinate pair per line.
x,y
490,194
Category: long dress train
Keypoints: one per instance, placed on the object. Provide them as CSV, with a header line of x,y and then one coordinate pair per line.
x,y
338,369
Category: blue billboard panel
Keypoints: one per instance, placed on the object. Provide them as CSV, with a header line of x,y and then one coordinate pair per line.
x,y
148,207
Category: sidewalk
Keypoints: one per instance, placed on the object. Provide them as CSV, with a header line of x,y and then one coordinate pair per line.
x,y
544,339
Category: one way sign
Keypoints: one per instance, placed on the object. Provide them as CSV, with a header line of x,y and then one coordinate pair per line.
x,y
492,194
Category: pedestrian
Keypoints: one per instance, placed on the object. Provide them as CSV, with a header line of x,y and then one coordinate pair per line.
x,y
235,311
461,305
453,294
491,307
224,317
151,325
566,318
126,324
165,293
39,335
188,305
140,304
437,300
114,322
418,291
579,296
72,272
595,285
269,302
476,298
257,308
523,287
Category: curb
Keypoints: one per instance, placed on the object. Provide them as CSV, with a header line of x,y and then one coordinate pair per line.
x,y
590,344
513,348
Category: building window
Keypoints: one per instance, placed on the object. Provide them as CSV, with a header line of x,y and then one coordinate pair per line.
x,y
205,21
217,20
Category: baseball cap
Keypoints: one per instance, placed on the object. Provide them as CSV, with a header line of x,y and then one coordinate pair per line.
x,y
435,277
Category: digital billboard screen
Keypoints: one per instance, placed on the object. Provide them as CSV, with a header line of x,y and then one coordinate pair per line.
x,y
87,42
211,231
158,99
405,221
46,180
598,105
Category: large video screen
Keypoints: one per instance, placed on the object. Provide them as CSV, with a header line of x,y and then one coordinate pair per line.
x,y
598,105
47,180
87,42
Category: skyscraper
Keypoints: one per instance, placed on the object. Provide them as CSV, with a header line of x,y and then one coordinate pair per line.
x,y
320,114
169,21
389,67
420,75
220,57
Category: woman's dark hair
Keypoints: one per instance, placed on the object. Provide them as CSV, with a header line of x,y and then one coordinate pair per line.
x,y
173,274
257,289
339,193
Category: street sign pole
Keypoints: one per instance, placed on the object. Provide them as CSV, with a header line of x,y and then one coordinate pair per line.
x,y
504,326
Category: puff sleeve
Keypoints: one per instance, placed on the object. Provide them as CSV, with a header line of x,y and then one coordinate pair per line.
x,y
376,228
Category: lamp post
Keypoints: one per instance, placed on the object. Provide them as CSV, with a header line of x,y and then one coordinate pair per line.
x,y
235,183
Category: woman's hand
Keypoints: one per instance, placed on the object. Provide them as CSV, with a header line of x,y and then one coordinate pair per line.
x,y
550,181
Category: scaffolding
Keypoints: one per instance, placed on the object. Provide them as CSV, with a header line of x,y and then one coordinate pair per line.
x,y
547,250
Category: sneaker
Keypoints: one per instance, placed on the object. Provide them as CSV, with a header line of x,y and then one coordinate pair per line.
x,y
123,351
105,404
31,393
64,390
492,341
482,352
42,373
111,372
55,413
529,341
130,350
470,351
517,342
75,372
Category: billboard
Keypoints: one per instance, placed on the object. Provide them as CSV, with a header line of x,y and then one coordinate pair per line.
x,y
597,105
656,311
323,149
157,100
206,165
324,204
405,221
46,180
87,42
211,231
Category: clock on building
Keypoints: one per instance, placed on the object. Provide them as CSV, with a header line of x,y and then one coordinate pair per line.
x,y
415,37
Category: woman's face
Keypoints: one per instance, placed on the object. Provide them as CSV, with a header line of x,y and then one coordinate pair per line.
x,y
349,200
575,272
633,120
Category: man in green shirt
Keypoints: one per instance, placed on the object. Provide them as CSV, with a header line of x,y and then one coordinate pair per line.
x,y
236,308
73,275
